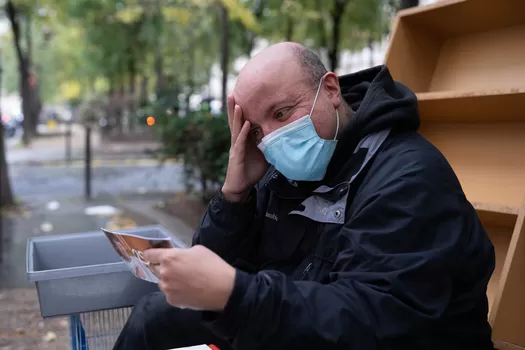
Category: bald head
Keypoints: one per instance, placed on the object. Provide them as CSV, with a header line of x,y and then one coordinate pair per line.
x,y
288,56
279,85
313,67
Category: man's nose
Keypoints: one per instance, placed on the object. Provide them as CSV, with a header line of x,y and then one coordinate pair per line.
x,y
270,127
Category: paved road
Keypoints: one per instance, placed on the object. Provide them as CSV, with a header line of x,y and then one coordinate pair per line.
x,y
52,148
55,182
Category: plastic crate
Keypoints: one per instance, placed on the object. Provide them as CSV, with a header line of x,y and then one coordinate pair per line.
x,y
81,276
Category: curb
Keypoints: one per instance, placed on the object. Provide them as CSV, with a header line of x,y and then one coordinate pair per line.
x,y
98,163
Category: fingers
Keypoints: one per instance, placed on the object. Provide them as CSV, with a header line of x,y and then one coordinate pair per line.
x,y
243,138
157,255
231,107
237,123
156,270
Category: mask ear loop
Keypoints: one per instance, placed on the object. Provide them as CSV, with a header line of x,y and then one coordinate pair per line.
x,y
316,96
337,129
313,106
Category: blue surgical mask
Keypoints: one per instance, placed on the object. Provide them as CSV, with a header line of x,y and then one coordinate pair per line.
x,y
297,151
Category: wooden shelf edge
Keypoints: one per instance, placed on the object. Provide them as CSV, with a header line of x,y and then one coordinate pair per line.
x,y
497,215
504,105
446,95
428,7
496,208
501,345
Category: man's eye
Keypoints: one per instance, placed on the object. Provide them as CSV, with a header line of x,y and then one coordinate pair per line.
x,y
279,115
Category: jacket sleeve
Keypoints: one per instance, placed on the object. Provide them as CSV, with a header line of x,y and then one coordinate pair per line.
x,y
229,229
392,276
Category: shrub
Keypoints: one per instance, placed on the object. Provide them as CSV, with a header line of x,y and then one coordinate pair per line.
x,y
201,141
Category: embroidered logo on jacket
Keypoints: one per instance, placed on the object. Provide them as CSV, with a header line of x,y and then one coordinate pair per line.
x,y
272,216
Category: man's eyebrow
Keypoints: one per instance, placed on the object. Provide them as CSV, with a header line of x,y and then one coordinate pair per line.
x,y
282,104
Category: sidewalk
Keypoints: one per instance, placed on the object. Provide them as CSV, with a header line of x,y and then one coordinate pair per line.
x,y
52,149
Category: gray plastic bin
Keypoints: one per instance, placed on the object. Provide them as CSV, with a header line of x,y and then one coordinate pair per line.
x,y
78,273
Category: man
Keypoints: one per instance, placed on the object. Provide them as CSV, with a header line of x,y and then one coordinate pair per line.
x,y
356,236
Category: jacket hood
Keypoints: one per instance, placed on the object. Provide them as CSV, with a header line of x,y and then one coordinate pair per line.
x,y
378,103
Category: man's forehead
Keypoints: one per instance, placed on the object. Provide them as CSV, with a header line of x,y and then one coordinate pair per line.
x,y
260,90
260,97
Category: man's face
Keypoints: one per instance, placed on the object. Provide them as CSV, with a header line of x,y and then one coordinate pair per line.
x,y
280,96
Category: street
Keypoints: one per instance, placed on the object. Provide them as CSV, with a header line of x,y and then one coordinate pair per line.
x,y
55,182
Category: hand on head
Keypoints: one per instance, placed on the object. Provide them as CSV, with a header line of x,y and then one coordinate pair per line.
x,y
246,165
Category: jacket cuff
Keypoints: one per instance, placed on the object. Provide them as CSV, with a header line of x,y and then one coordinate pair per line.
x,y
227,322
228,215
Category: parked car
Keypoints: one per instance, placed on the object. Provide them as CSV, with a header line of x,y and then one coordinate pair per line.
x,y
11,124
9,129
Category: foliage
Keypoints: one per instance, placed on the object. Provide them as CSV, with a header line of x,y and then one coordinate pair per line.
x,y
201,141
117,41
164,51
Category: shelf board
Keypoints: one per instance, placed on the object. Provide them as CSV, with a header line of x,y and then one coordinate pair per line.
x,y
449,18
503,105
486,160
496,215
501,345
496,208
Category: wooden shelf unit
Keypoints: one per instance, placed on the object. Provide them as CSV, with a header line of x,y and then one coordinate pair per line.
x,y
465,60
468,55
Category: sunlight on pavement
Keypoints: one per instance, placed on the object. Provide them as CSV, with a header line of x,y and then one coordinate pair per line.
x,y
46,227
101,210
53,205
119,222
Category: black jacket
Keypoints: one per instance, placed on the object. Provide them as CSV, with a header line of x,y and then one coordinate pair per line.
x,y
386,253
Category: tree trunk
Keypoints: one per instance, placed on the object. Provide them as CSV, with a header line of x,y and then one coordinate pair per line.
x,y
6,194
109,109
405,4
190,84
289,27
143,94
371,63
23,68
34,88
224,56
120,108
321,29
36,106
337,15
132,98
159,68
159,60
258,11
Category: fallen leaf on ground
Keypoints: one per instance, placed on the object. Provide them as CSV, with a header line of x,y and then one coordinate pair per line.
x,y
46,227
53,205
50,336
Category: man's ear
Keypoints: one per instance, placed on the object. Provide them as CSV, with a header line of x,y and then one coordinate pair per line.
x,y
331,86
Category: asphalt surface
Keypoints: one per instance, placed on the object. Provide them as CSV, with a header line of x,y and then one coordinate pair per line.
x,y
55,182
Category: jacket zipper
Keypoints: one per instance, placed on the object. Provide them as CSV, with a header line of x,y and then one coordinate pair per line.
x,y
305,271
